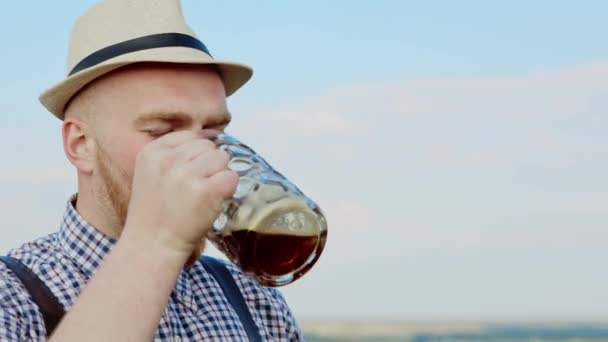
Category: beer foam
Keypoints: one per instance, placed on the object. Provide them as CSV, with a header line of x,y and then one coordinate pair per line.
x,y
273,210
289,216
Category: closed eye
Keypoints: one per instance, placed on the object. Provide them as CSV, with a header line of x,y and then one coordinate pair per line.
x,y
158,133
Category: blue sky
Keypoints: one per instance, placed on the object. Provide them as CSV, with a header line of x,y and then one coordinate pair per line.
x,y
458,148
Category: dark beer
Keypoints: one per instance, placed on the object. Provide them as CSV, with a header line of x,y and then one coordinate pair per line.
x,y
270,254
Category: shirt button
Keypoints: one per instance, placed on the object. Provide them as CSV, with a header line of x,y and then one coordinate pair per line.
x,y
177,339
187,299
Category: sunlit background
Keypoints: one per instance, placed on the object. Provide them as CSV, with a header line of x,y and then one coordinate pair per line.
x,y
458,148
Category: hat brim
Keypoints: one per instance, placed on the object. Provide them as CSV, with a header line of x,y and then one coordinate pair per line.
x,y
234,75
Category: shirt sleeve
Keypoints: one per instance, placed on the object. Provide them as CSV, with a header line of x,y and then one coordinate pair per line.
x,y
19,319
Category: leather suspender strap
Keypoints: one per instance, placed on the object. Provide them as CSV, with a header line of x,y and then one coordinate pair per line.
x,y
50,308
231,290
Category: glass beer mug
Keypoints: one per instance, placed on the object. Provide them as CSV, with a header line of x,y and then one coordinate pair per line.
x,y
269,228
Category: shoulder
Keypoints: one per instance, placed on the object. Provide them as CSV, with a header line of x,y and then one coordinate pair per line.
x,y
268,304
19,316
33,255
53,266
12,292
36,251
249,287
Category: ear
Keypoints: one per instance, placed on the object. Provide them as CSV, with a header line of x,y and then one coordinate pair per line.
x,y
78,144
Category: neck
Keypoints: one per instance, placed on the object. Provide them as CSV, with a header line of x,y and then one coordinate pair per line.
x,y
98,213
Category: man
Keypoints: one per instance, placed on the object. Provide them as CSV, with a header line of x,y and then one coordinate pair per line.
x,y
141,99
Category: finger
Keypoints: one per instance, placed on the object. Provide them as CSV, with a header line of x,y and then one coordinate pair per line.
x,y
223,183
209,163
192,149
215,190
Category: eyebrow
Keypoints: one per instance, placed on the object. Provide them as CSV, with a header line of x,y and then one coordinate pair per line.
x,y
181,117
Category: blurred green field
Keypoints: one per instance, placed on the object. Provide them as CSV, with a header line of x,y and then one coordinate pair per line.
x,y
448,331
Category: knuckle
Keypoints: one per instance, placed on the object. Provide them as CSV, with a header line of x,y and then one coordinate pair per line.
x,y
207,144
209,198
177,171
233,173
202,145
164,161
223,156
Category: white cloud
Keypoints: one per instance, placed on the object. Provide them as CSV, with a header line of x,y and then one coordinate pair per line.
x,y
307,121
552,119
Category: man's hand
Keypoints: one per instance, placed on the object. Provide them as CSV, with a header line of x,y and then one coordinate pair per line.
x,y
179,185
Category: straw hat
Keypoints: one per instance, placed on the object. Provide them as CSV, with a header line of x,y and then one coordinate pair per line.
x,y
116,33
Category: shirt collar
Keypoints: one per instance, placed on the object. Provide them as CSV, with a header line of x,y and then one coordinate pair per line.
x,y
82,242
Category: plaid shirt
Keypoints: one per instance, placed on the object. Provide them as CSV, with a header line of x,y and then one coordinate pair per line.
x,y
197,309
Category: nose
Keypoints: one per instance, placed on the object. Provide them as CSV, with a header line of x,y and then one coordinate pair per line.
x,y
209,133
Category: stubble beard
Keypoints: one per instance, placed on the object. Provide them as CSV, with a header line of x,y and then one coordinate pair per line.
x,y
116,189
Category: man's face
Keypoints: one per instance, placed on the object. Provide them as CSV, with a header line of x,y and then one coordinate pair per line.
x,y
143,103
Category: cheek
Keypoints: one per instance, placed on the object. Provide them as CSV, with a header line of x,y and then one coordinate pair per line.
x,y
130,158
127,144
126,157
